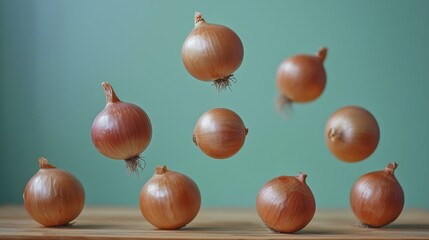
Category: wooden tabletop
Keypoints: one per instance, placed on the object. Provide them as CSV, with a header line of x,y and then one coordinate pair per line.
x,y
128,223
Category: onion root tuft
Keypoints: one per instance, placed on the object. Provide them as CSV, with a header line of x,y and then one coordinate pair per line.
x,y
135,163
225,82
284,105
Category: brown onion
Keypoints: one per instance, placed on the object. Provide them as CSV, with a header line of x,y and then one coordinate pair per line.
x,y
121,130
212,52
301,78
377,198
53,197
219,133
169,200
286,203
352,134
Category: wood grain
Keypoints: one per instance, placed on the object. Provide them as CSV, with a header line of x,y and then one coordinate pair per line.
x,y
128,223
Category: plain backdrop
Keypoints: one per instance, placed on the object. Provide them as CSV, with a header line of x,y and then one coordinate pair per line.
x,y
55,54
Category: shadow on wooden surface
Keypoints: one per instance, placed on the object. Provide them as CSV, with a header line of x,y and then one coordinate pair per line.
x,y
408,226
86,226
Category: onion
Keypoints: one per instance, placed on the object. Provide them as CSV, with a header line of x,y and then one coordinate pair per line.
x,y
286,203
377,197
352,134
121,130
212,52
219,133
53,197
301,78
169,200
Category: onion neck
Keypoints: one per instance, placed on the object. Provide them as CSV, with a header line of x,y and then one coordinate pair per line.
x,y
391,167
109,92
43,163
321,54
334,134
198,19
161,170
301,177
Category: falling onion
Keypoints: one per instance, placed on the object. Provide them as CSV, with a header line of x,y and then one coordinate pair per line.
x,y
219,133
352,134
212,52
121,130
301,78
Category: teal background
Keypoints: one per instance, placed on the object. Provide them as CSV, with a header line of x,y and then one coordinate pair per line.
x,y
55,54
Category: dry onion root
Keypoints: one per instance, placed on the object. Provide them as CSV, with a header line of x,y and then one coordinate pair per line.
x,y
53,197
121,130
212,52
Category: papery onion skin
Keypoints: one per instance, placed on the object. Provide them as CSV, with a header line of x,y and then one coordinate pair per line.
x,y
377,198
169,200
286,204
53,197
121,130
212,52
301,78
220,133
352,134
